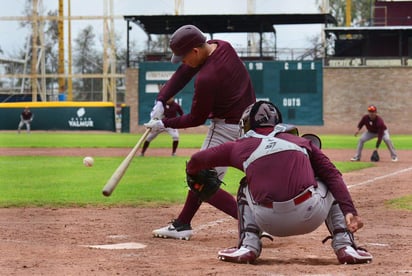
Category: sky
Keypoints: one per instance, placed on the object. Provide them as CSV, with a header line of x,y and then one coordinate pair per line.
x,y
12,36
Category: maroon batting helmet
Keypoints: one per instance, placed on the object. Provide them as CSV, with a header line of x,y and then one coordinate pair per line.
x,y
185,39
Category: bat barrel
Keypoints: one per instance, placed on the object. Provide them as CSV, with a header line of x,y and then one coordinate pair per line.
x,y
119,172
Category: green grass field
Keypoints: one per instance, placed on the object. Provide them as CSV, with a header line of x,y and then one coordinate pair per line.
x,y
64,181
127,140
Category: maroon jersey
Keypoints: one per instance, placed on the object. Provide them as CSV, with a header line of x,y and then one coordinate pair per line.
x,y
172,110
375,126
223,88
26,115
279,176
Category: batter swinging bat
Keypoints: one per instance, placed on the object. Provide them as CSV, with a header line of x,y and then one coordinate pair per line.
x,y
119,172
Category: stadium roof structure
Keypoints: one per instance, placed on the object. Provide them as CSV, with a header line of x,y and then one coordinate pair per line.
x,y
225,23
371,41
355,30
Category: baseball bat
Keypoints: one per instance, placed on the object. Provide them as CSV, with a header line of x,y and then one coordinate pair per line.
x,y
119,172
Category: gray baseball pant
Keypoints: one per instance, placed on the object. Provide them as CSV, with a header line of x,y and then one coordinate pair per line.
x,y
288,219
367,135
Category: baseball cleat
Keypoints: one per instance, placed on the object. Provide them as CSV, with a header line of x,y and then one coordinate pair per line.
x,y
350,255
395,159
266,235
174,231
355,159
237,255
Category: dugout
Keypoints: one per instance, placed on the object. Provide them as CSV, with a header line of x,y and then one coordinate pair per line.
x,y
78,116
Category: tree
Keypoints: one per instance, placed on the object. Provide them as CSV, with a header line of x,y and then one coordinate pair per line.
x,y
160,44
85,61
51,48
315,51
361,14
49,44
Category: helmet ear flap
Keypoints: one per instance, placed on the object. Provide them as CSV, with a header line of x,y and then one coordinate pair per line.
x,y
279,119
244,123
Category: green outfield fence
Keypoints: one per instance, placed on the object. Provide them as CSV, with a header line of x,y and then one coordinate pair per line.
x,y
61,115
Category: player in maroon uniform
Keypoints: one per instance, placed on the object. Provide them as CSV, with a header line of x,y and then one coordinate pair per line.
x,y
375,127
222,90
290,187
26,117
172,110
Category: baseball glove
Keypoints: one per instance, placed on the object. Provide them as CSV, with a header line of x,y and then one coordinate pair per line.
x,y
204,184
375,156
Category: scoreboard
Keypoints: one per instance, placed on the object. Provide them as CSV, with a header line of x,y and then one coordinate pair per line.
x,y
296,87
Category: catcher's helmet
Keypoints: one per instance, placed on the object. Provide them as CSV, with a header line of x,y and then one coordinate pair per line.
x,y
260,114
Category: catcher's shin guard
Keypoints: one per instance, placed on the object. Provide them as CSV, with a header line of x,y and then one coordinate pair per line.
x,y
340,235
343,242
249,232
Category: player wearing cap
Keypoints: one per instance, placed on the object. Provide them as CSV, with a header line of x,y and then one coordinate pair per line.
x,y
375,127
290,187
172,110
26,117
222,90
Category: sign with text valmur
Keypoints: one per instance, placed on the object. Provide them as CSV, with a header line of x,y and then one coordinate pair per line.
x,y
296,87
60,115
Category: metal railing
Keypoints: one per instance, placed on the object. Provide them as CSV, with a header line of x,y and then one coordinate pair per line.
x,y
368,61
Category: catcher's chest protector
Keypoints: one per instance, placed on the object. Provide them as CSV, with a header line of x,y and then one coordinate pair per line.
x,y
270,145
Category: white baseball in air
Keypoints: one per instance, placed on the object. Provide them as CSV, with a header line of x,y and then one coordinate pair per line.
x,y
88,161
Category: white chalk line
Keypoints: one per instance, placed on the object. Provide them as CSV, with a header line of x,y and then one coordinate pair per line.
x,y
380,177
212,223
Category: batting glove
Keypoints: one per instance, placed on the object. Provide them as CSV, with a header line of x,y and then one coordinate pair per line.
x,y
155,124
157,111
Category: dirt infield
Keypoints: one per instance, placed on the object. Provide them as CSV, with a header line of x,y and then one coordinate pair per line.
x,y
40,241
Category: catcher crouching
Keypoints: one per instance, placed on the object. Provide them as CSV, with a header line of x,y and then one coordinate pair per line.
x,y
290,187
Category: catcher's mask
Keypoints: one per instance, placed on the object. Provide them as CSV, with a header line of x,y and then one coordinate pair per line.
x,y
260,114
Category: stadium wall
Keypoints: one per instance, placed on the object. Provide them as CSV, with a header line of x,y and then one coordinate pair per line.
x,y
60,115
346,94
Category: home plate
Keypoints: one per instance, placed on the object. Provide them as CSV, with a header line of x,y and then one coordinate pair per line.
x,y
126,245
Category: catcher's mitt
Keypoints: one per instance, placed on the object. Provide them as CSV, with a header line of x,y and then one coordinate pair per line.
x,y
375,156
204,184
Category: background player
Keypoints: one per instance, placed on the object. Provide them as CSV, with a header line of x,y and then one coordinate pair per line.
x,y
26,117
172,110
290,187
222,91
375,127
